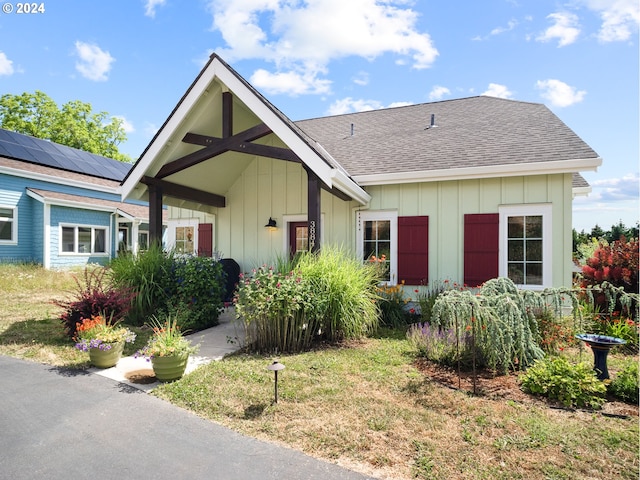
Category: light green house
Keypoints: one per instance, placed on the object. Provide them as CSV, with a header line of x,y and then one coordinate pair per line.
x,y
461,190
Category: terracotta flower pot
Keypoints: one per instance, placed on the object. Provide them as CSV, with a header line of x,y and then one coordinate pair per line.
x,y
171,368
106,358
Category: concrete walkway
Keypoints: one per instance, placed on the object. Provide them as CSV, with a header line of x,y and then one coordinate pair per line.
x,y
215,343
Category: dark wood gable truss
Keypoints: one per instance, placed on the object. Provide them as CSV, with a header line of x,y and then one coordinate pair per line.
x,y
214,146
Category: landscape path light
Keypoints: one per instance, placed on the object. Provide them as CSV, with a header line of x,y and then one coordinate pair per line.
x,y
275,367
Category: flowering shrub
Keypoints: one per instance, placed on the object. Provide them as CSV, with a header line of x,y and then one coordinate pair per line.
x,y
95,296
392,304
555,331
279,311
96,332
167,340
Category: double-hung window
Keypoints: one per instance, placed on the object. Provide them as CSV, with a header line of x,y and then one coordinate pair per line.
x,y
84,240
525,245
8,224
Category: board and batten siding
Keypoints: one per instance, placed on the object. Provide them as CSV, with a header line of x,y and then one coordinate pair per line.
x,y
276,189
446,203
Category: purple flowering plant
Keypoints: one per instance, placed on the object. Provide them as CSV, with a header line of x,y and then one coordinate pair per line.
x,y
96,332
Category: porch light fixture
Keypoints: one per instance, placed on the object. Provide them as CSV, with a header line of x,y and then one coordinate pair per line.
x,y
271,224
275,367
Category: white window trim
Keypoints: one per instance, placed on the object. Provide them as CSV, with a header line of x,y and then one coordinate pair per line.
x,y
287,219
14,226
544,209
93,228
370,215
171,232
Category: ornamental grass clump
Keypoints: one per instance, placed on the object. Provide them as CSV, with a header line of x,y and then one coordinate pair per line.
x,y
167,340
96,332
345,290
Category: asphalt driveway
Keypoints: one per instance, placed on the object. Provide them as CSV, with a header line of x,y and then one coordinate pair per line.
x,y
59,424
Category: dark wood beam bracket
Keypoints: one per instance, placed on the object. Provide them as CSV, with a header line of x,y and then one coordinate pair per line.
x,y
185,193
214,149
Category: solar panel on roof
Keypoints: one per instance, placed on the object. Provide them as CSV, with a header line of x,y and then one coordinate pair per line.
x,y
44,152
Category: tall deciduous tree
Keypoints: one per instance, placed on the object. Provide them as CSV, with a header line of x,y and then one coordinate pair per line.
x,y
74,124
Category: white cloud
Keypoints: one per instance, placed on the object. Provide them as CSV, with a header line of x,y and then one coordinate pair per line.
x,y
125,124
617,189
565,29
350,105
151,5
558,93
361,79
497,90
302,38
437,92
94,63
6,65
619,18
290,83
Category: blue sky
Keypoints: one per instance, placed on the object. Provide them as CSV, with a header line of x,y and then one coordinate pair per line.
x,y
136,58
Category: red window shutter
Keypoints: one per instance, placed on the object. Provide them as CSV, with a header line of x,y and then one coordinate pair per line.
x,y
481,244
413,250
205,240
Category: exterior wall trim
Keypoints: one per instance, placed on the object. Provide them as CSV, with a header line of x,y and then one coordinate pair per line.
x,y
470,173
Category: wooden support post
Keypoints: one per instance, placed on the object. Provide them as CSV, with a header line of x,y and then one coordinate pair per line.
x,y
155,214
313,210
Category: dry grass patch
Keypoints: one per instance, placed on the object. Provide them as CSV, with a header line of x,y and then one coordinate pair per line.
x,y
366,406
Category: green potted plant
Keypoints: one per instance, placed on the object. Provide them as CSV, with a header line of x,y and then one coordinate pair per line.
x,y
167,349
103,340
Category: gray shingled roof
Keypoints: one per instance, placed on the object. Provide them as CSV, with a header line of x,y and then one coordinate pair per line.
x,y
469,132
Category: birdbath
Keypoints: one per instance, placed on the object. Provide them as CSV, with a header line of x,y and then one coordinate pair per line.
x,y
600,345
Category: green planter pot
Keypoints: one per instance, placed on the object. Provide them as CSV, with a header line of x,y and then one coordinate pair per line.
x,y
106,358
168,369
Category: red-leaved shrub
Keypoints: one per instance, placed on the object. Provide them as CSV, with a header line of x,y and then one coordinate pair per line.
x,y
616,263
95,297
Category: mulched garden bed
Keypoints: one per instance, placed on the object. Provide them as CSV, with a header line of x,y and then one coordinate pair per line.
x,y
506,387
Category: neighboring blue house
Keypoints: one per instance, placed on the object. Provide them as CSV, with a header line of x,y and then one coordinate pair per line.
x,y
61,207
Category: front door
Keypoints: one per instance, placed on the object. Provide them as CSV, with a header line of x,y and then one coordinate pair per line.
x,y
298,237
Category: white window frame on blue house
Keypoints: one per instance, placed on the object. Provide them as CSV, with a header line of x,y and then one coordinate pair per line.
x,y
76,243
14,223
